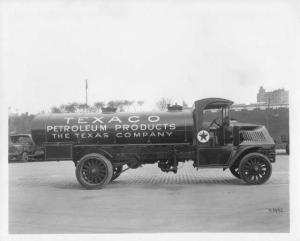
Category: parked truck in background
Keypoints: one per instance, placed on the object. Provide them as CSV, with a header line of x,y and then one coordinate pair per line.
x,y
22,148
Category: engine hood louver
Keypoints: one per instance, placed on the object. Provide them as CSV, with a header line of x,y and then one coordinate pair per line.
x,y
253,136
256,135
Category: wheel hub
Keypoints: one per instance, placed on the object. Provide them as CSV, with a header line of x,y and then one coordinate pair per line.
x,y
94,170
256,169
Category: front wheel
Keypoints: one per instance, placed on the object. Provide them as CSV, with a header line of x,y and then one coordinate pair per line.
x,y
94,171
255,168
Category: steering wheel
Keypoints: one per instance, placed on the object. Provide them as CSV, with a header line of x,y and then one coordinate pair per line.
x,y
214,122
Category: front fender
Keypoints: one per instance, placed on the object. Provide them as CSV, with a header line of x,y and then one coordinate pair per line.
x,y
243,150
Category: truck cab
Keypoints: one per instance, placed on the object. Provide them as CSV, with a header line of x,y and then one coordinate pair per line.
x,y
222,143
213,132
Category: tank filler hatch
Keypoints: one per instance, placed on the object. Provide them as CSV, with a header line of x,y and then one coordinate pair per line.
x,y
175,107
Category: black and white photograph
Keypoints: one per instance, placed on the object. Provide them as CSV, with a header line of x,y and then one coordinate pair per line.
x,y
142,120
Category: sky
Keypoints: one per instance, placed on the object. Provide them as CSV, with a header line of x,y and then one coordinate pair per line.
x,y
145,50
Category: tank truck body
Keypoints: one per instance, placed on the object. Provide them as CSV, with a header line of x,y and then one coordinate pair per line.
x,y
101,144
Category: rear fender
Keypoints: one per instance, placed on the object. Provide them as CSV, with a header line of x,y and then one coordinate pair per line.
x,y
80,151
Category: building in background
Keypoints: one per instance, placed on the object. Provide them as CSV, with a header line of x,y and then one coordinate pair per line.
x,y
275,97
266,99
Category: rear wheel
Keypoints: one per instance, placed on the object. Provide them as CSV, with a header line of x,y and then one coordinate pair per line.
x,y
235,171
94,171
255,168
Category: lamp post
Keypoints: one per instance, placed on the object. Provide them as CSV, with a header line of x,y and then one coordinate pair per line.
x,y
86,98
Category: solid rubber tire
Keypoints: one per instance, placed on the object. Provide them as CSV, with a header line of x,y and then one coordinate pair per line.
x,y
246,158
104,160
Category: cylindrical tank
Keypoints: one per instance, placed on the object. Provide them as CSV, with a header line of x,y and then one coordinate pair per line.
x,y
114,128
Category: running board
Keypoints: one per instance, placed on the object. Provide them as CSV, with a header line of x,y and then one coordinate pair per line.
x,y
212,166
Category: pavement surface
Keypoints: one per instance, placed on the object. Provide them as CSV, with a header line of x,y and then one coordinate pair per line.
x,y
44,197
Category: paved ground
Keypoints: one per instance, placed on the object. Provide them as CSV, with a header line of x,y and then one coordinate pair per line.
x,y
44,197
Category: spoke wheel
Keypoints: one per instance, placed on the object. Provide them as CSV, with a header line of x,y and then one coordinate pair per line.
x,y
94,171
255,168
235,171
116,172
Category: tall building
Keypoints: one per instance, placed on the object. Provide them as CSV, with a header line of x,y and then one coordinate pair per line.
x,y
275,97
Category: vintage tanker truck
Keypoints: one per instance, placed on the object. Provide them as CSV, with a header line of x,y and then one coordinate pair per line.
x,y
100,144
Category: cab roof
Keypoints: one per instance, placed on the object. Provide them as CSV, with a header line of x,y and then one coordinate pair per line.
x,y
213,103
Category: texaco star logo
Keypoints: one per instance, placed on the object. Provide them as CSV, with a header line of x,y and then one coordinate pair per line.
x,y
203,136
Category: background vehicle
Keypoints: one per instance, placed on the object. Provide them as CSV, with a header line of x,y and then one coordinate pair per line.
x,y
22,148
101,144
286,140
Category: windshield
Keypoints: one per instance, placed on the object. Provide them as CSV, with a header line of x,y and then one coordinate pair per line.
x,y
220,116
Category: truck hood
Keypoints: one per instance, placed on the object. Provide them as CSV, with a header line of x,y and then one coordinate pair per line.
x,y
251,134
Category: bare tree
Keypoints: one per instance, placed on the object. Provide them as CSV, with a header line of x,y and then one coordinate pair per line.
x,y
83,107
55,109
99,105
137,105
120,104
127,104
163,103
114,104
69,108
140,102
184,105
